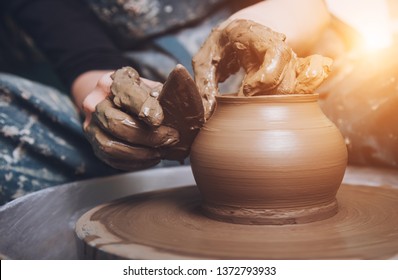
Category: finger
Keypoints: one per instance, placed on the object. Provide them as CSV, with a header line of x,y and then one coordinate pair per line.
x,y
271,72
134,96
106,147
312,70
126,164
270,64
262,53
132,130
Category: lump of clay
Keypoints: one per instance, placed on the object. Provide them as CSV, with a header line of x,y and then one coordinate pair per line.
x,y
270,64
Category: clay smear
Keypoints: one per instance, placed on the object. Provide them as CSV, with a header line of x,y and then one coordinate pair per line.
x,y
169,224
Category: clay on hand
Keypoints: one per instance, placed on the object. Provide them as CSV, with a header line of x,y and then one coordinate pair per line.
x,y
125,129
270,64
136,126
135,97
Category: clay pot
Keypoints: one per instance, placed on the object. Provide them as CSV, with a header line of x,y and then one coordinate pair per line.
x,y
273,159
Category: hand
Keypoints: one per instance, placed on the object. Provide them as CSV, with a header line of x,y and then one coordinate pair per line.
x,y
240,43
270,64
303,23
124,124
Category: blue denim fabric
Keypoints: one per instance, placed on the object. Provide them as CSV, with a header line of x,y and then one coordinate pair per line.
x,y
41,139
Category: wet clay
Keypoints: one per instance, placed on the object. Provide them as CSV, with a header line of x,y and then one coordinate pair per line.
x,y
169,224
270,64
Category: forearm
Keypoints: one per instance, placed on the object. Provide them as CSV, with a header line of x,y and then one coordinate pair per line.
x,y
303,26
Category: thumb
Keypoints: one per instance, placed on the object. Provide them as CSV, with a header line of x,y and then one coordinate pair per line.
x,y
100,92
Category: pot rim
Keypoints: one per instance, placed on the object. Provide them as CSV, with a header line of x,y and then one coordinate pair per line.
x,y
284,98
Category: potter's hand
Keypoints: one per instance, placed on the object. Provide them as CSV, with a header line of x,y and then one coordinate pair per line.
x,y
261,52
138,122
123,121
270,64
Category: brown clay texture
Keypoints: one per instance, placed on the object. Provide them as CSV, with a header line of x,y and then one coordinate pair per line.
x,y
169,224
269,160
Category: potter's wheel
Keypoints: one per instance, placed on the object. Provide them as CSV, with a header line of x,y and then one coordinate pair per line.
x,y
169,224
42,225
